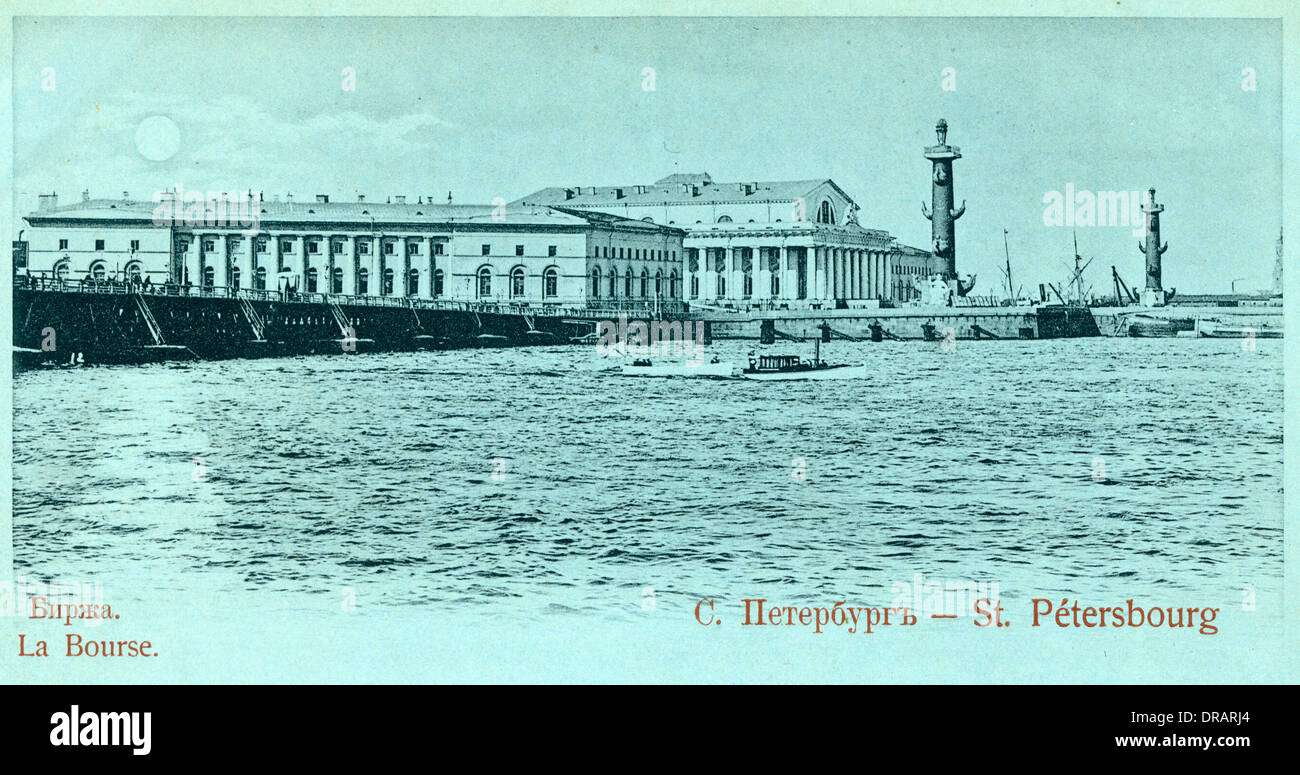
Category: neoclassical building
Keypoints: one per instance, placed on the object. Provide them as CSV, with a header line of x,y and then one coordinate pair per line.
x,y
777,243
532,255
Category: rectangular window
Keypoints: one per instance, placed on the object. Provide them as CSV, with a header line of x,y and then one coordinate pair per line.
x,y
437,248
412,248
135,245
99,244
313,246
364,249
519,250
63,244
388,248
337,246
261,246
550,250
209,245
487,250
286,246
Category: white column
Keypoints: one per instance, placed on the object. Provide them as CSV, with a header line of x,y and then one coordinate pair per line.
x,y
786,267
832,273
247,260
709,283
889,276
221,262
191,259
734,281
816,277
820,258
861,256
842,265
850,274
762,278
346,260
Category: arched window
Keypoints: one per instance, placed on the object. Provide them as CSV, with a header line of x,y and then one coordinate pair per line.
x,y
724,219
62,268
695,286
825,214
645,283
659,283
336,280
135,272
387,289
234,277
437,282
413,282
551,283
673,288
98,270
613,283
312,276
363,281
484,282
209,276
259,278
776,285
627,283
517,282
595,282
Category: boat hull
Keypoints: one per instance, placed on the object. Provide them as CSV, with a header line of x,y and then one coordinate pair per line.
x,y
834,372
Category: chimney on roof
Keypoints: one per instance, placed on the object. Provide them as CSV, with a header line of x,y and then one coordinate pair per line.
x,y
361,197
401,199
85,195
695,190
126,196
618,193
568,194
47,201
288,197
324,198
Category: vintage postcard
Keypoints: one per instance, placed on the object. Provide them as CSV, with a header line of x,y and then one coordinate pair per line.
x,y
565,344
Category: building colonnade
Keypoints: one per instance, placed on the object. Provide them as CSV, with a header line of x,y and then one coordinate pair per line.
x,y
788,273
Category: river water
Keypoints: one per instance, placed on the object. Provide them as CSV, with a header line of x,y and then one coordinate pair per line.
x,y
538,480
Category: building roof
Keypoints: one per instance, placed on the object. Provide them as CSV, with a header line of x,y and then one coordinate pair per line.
x,y
681,188
326,213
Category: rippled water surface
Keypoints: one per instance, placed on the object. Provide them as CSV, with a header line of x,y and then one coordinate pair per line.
x,y
539,480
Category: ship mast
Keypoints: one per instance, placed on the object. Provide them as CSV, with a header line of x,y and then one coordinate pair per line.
x,y
1011,292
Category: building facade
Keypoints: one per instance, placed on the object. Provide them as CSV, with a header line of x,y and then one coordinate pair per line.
x,y
758,244
534,255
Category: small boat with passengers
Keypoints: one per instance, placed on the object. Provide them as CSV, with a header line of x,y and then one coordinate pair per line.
x,y
644,367
786,367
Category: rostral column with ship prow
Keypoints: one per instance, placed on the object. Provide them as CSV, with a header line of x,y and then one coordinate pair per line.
x,y
1154,295
942,287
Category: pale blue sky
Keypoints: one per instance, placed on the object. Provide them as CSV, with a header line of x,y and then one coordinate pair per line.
x,y
502,107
